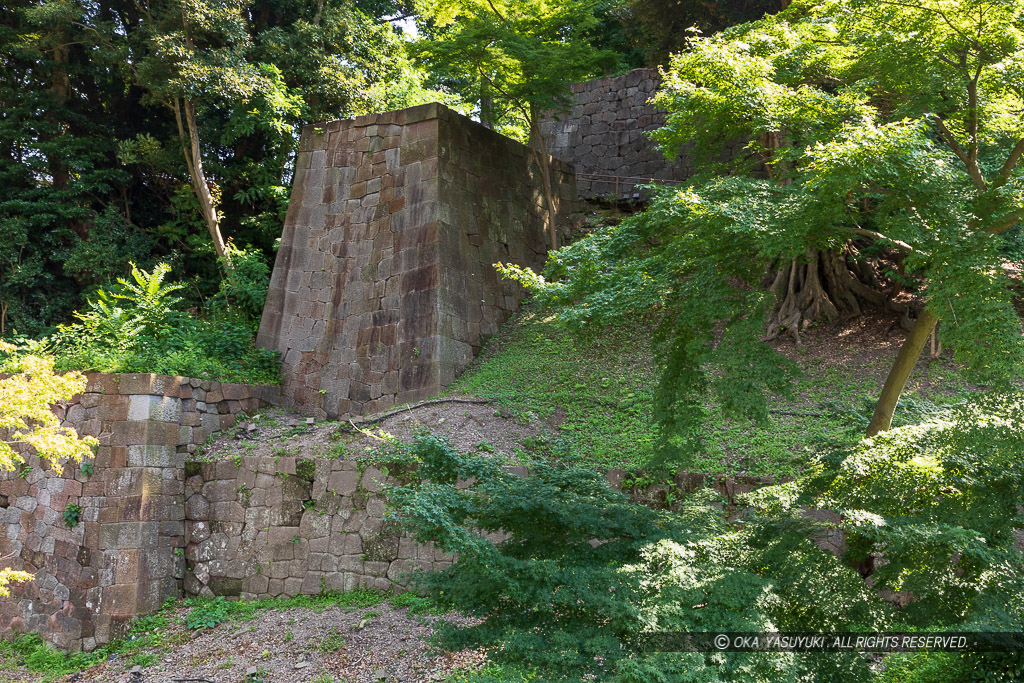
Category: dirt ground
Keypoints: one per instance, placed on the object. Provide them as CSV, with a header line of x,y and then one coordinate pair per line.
x,y
472,427
297,645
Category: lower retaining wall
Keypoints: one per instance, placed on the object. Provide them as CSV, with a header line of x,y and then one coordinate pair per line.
x,y
119,553
152,526
267,526
282,526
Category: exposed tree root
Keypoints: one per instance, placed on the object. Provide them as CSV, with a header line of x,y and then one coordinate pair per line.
x,y
422,404
826,287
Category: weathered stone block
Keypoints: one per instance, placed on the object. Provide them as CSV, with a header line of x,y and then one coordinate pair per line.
x,y
145,455
149,407
399,226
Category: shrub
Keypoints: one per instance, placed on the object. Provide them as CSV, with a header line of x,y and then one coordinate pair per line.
x,y
245,290
207,614
583,575
572,579
137,328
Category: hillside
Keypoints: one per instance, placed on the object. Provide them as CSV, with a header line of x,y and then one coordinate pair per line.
x,y
536,394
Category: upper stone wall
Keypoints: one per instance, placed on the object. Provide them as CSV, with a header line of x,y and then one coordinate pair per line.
x,y
604,132
384,284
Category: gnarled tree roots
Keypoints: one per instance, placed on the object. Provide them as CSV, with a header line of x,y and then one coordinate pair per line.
x,y
829,286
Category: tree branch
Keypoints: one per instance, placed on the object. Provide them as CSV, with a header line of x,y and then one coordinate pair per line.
x,y
1009,164
908,5
971,164
972,118
1012,220
903,246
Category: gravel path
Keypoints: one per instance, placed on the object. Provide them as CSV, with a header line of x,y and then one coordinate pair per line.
x,y
297,645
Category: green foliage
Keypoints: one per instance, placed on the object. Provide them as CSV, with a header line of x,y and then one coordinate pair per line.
x,y
246,290
542,593
417,604
208,614
873,141
610,274
597,390
940,501
138,329
40,656
305,468
550,598
27,392
146,309
936,504
72,515
92,170
491,673
499,55
944,667
590,398
660,28
239,610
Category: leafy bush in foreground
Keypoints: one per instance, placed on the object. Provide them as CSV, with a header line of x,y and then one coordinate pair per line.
x,y
569,576
581,575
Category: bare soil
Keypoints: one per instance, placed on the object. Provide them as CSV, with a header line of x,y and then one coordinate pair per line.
x,y
471,427
297,645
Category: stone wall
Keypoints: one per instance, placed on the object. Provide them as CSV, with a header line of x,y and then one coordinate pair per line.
x,y
604,133
284,526
264,527
384,287
125,555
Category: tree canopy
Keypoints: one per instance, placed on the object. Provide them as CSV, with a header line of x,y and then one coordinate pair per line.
x,y
501,54
877,125
97,171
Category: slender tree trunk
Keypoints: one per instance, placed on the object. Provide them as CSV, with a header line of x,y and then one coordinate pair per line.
x,y
194,161
185,110
881,421
540,155
486,104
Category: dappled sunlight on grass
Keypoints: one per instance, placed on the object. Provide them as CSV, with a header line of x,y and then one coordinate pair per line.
x,y
594,396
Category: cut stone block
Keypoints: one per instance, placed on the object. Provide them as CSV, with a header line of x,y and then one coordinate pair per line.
x,y
400,245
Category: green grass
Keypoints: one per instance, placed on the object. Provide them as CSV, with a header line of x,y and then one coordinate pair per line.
x,y
246,610
491,673
595,398
595,394
417,604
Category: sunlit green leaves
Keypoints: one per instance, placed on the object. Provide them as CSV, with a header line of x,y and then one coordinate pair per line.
x,y
521,55
877,124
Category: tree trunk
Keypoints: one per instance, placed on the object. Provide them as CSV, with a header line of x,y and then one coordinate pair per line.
x,y
486,104
194,161
881,421
539,152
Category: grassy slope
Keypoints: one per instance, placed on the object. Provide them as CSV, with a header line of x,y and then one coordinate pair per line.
x,y
596,395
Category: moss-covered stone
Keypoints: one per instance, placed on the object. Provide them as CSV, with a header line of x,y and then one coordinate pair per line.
x,y
383,547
